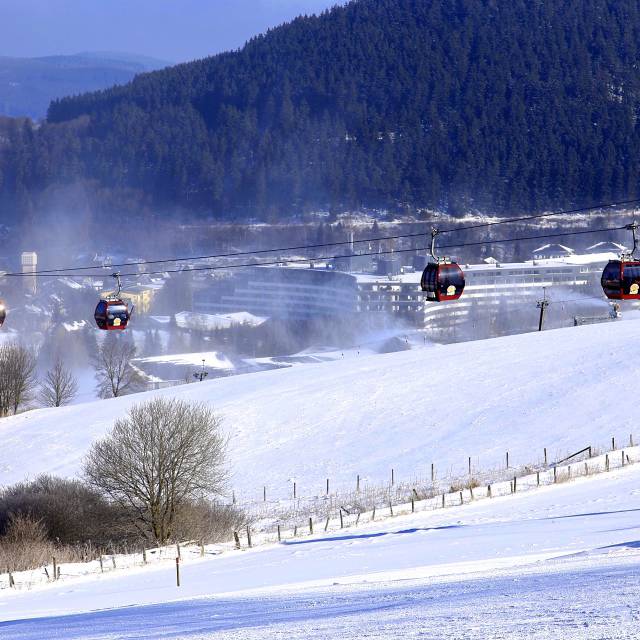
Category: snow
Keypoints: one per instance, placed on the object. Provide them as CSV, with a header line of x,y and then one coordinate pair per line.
x,y
558,561
212,360
562,389
540,564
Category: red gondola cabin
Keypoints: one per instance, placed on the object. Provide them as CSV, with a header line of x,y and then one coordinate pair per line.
x,y
112,315
621,280
442,281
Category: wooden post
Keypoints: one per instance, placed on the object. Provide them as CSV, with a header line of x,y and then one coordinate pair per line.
x,y
469,465
326,524
413,505
390,507
515,480
590,451
310,526
264,494
249,536
613,443
101,567
507,459
555,474
358,483
358,518
622,456
461,499
471,492
295,530
279,534
489,490
113,561
545,456
538,478
327,486
55,568
443,500
294,491
12,582
58,574
606,462
373,515
341,519
393,477
433,472
237,539
144,558
177,572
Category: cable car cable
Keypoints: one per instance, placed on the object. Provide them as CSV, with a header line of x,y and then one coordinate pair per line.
x,y
591,209
331,257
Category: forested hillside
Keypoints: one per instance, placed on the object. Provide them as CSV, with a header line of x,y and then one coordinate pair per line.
x,y
455,104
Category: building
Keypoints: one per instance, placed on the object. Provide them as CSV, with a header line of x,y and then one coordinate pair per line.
x,y
552,252
139,295
29,261
280,292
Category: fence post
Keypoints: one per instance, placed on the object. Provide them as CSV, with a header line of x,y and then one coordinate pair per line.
x,y
249,536
294,491
433,472
443,500
390,507
144,558
264,494
507,459
622,456
373,515
12,582
295,530
613,443
311,526
279,534
358,483
515,480
341,519
461,498
177,572
537,478
469,465
545,456
606,462
101,567
55,568
555,474
326,524
327,486
393,477
413,505
489,490
237,539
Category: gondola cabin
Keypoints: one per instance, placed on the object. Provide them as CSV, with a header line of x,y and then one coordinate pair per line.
x,y
3,312
442,281
621,280
112,315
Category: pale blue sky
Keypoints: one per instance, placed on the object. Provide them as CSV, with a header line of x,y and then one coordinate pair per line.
x,y
172,30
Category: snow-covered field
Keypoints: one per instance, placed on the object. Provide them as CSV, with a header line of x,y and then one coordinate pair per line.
x,y
562,389
557,562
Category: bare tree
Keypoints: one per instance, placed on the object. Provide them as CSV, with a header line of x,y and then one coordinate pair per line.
x,y
59,386
162,456
17,377
115,374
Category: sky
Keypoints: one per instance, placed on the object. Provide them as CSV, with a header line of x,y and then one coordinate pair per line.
x,y
170,30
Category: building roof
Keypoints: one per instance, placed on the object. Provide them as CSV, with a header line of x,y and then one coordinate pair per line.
x,y
554,249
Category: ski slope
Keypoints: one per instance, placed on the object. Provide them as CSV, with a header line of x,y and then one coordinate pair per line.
x,y
559,562
561,389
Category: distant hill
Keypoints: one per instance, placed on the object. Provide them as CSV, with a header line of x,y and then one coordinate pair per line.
x,y
497,105
28,85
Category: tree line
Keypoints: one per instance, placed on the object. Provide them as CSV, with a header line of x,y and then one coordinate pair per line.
x,y
488,104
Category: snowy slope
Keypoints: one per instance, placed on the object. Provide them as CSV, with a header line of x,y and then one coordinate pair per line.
x,y
560,389
561,561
